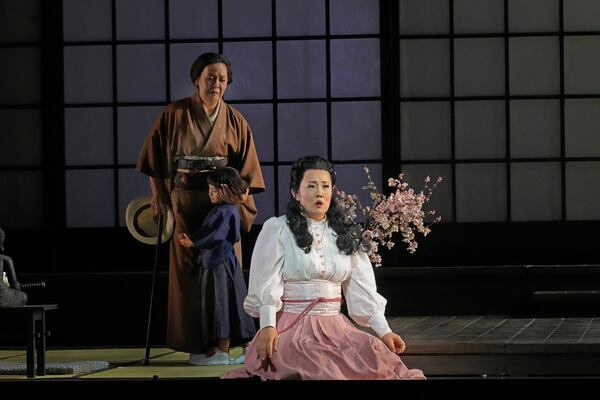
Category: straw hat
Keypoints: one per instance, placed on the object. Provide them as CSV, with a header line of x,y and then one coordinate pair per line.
x,y
142,221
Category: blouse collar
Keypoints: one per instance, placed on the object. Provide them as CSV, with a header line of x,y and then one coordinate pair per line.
x,y
317,223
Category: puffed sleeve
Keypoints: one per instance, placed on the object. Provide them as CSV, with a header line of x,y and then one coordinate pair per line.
x,y
365,305
265,286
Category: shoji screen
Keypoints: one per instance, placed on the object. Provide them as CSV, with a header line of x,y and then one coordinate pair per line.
x,y
306,76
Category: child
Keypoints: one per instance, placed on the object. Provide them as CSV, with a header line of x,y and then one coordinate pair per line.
x,y
223,289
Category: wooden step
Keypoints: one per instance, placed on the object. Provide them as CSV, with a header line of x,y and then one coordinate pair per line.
x,y
574,303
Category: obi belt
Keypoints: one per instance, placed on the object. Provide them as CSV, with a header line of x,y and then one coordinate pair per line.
x,y
191,171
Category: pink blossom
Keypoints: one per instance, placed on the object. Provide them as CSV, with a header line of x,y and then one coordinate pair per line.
x,y
400,211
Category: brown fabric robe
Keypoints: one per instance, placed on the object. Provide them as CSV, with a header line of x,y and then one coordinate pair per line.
x,y
183,128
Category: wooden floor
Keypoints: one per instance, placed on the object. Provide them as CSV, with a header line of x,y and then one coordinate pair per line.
x,y
484,345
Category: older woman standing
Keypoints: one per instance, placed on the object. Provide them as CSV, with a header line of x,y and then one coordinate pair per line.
x,y
189,138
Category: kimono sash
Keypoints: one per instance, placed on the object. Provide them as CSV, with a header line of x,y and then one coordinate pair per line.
x,y
190,171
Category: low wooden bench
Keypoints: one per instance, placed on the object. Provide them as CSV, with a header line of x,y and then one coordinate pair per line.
x,y
33,318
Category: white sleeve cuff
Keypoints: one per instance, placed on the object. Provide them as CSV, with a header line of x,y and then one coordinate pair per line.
x,y
268,316
379,324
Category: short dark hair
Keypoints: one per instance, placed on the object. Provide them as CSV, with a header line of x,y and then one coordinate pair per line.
x,y
206,59
230,178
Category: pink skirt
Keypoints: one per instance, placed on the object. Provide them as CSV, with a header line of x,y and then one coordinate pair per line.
x,y
325,347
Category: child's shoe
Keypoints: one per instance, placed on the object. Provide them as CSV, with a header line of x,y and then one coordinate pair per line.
x,y
197,357
219,358
238,360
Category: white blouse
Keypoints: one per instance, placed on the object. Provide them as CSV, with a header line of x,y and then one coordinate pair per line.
x,y
277,258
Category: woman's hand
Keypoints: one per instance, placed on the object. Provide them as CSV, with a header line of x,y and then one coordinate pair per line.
x,y
394,342
158,206
268,341
159,201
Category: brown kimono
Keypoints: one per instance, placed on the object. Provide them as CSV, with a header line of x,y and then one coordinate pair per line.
x,y
181,135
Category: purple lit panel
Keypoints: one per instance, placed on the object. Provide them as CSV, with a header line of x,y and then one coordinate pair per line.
x,y
265,201
88,136
88,74
87,20
90,198
134,125
140,19
349,17
243,18
252,70
260,118
137,82
302,130
355,68
191,19
356,130
284,187
300,17
301,69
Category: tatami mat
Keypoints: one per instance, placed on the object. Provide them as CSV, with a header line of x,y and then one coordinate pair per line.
x,y
126,363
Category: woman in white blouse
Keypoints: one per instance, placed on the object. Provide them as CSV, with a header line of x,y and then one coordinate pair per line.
x,y
301,264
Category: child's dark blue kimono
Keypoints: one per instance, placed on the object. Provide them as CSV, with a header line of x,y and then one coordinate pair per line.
x,y
223,288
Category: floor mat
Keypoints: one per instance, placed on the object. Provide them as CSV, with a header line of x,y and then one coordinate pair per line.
x,y
55,368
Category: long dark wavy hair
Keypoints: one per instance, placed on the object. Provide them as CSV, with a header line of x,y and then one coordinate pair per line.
x,y
348,234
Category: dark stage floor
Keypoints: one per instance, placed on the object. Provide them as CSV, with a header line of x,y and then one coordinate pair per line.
x,y
485,345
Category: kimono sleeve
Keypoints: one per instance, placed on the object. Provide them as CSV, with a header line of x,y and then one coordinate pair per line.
x,y
249,165
245,160
153,159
